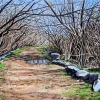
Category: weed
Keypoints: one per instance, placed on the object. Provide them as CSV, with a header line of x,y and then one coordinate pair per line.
x,y
95,97
46,56
2,65
63,73
16,52
64,93
41,49
2,97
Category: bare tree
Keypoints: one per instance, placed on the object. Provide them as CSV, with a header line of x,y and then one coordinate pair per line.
x,y
14,19
76,23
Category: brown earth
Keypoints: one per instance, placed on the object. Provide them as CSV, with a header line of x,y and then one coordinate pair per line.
x,y
24,81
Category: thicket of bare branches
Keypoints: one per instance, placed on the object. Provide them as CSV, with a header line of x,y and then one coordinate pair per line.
x,y
16,20
71,26
82,27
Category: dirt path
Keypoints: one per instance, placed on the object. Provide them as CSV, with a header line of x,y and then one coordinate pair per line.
x,y
25,81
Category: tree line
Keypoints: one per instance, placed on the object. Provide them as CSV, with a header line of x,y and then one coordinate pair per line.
x,y
72,27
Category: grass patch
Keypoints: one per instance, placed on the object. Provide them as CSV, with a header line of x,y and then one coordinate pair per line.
x,y
41,49
63,73
83,91
2,97
65,93
46,56
2,65
95,97
16,52
94,72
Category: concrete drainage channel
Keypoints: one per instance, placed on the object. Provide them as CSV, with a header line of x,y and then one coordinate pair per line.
x,y
72,70
38,61
75,72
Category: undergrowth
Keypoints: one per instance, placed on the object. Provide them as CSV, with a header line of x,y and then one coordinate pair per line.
x,y
16,52
63,73
41,51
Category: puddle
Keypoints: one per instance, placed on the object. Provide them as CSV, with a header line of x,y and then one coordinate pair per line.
x,y
38,61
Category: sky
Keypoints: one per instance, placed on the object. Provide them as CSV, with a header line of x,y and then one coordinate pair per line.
x,y
88,1
58,1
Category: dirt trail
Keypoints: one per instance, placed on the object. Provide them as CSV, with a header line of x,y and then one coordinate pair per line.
x,y
25,81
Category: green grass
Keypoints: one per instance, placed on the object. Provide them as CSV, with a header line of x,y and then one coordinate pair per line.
x,y
2,65
2,97
94,72
83,91
16,52
63,73
96,97
46,56
41,49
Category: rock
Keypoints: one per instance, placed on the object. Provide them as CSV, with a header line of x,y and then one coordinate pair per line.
x,y
81,73
71,70
54,61
73,67
96,85
92,78
86,77
61,63
55,56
